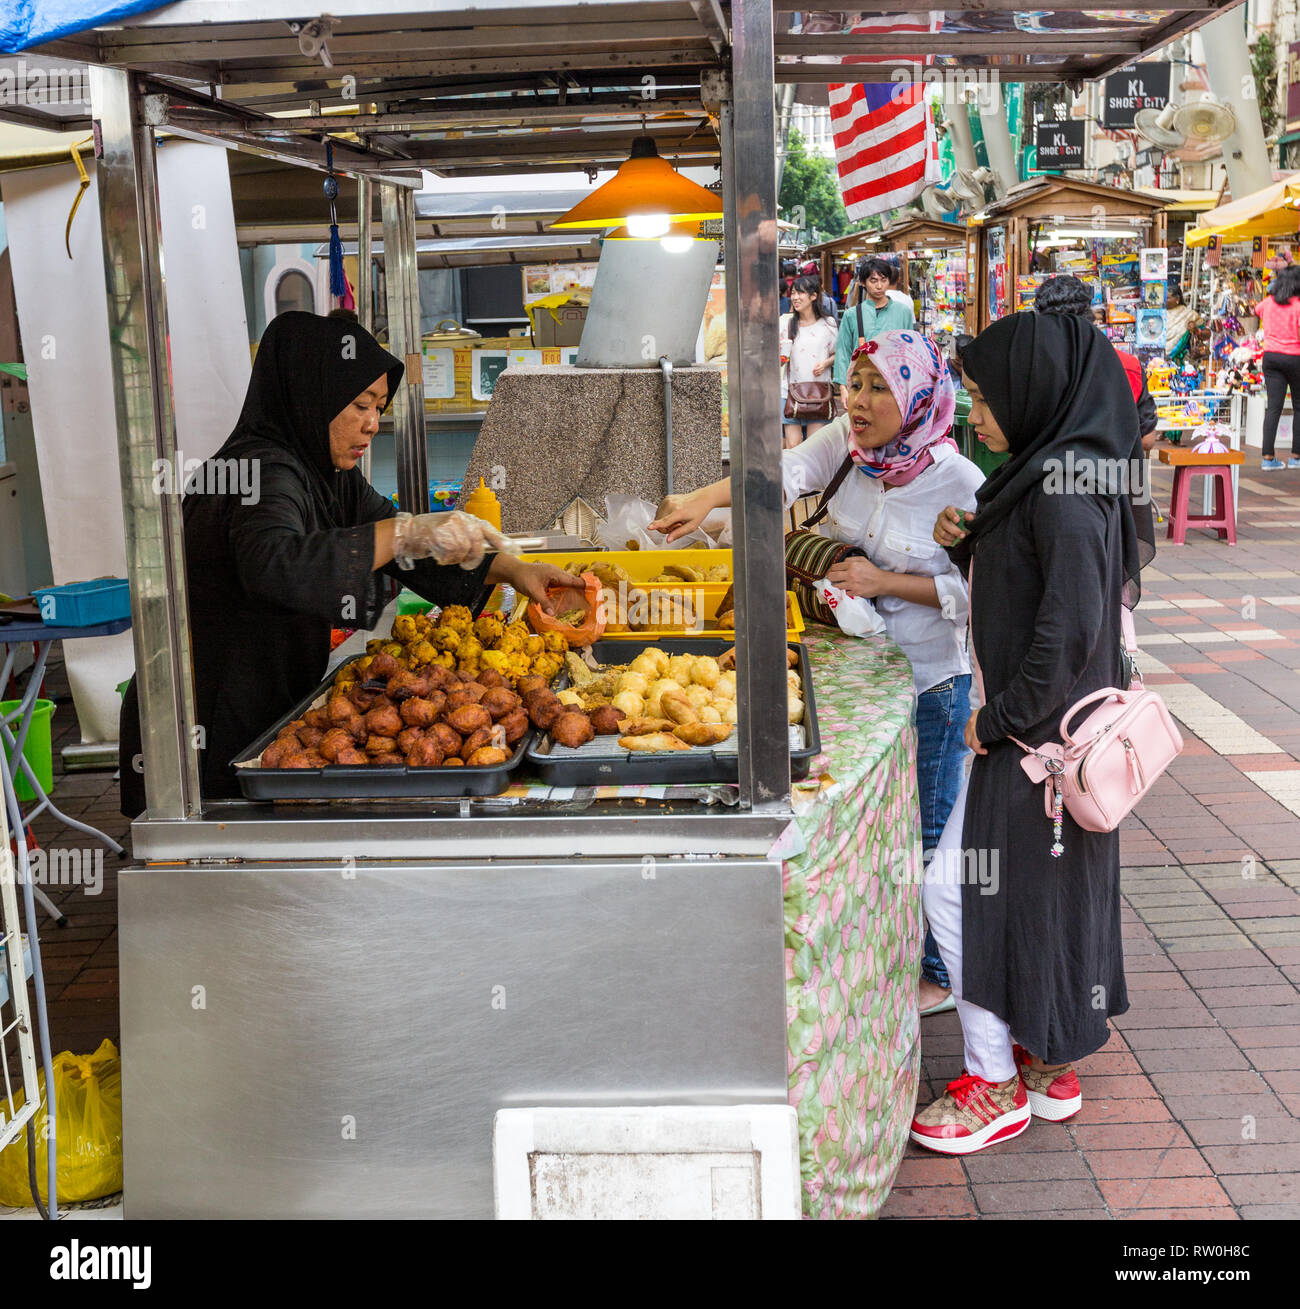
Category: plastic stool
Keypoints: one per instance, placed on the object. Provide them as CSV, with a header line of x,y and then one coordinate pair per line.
x,y
1223,520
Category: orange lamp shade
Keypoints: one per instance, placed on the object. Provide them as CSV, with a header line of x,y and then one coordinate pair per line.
x,y
645,185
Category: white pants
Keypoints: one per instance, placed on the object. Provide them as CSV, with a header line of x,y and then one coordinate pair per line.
x,y
987,1038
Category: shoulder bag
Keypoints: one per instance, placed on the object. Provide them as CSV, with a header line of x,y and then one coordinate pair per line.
x,y
1102,767
809,555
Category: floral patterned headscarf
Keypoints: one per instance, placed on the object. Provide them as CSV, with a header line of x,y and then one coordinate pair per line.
x,y
919,379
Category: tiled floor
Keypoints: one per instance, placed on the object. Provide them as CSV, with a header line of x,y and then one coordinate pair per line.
x,y
1193,1108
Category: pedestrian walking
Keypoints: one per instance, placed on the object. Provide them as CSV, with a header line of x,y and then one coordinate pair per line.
x,y
1279,313
808,347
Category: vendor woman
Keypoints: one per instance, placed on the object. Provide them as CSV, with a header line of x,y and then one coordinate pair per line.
x,y
896,432
288,546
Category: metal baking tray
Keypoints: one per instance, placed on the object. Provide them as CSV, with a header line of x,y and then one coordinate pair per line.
x,y
371,782
601,762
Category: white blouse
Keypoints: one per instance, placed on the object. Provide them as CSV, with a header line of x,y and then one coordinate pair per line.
x,y
812,343
895,526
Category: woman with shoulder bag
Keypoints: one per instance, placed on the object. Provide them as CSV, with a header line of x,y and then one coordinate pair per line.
x,y
1033,944
808,346
884,469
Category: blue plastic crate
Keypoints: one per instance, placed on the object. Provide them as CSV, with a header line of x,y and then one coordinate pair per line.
x,y
84,604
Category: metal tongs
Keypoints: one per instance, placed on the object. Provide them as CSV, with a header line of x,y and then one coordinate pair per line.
x,y
517,545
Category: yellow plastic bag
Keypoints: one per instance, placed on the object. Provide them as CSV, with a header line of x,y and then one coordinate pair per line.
x,y
88,1101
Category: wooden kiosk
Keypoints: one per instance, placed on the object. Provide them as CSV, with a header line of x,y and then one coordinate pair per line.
x,y
1001,241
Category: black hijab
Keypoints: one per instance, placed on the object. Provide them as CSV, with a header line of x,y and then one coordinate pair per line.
x,y
308,369
1055,384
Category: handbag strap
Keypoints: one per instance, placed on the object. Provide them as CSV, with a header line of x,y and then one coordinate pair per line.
x,y
824,503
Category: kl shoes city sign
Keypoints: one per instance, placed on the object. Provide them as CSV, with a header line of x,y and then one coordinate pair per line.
x,y
1143,86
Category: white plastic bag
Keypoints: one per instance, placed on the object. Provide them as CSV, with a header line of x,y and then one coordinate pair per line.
x,y
627,519
855,616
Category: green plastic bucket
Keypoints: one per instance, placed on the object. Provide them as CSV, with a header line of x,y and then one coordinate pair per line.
x,y
38,749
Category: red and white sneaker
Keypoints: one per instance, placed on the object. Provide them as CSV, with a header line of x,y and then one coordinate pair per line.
x,y
972,1114
1056,1095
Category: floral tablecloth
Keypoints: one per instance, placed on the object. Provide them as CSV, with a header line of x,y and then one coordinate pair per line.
x,y
853,930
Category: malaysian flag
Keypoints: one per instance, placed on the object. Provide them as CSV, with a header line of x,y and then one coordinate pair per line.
x,y
886,147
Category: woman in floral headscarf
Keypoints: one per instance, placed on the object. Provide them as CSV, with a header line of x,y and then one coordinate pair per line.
x,y
896,432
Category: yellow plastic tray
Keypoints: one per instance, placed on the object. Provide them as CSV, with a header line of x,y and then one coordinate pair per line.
x,y
641,565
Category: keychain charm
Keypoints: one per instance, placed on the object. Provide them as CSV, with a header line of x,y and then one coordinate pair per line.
x,y
1058,847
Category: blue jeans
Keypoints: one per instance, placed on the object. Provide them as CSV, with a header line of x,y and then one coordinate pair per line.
x,y
941,714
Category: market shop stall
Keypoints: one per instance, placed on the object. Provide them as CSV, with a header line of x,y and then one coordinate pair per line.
x,y
1056,225
380,977
931,256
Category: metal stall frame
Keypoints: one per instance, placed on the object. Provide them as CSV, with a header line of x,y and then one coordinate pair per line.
x,y
138,89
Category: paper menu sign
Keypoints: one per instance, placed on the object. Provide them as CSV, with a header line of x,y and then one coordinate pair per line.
x,y
488,366
439,373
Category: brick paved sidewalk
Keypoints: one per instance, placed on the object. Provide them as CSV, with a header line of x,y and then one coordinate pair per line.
x,y
1192,1110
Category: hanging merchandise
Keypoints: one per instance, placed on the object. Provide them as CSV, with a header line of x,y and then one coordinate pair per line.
x,y
338,279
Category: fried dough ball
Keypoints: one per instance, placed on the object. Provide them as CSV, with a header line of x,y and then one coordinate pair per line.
x,y
487,756
705,671
481,737
424,754
572,728
289,735
335,741
439,677
467,693
630,703
447,737
383,666
795,708
419,712
275,753
544,710
679,669
356,727
469,718
525,686
698,695
405,684
637,683
725,687
515,724
362,699
392,757
547,665
297,759
607,720
316,718
339,709
645,666
709,714
384,720
404,628
492,676
728,711
499,701
353,757
380,744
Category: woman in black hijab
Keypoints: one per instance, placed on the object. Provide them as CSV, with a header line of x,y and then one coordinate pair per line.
x,y
1029,930
284,536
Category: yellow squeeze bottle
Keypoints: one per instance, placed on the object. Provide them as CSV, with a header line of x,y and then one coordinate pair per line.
x,y
482,503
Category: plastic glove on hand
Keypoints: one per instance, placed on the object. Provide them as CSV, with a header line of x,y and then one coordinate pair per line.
x,y
454,538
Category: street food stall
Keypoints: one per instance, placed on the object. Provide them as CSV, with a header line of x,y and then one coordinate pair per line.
x,y
1058,225
329,993
931,256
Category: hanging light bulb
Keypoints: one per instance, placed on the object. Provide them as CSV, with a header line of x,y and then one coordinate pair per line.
x,y
645,187
676,245
647,226
676,239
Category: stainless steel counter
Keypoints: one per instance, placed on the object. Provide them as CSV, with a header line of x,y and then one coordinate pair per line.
x,y
333,1041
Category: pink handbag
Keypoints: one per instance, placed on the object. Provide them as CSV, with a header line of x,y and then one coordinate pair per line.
x,y
1109,762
